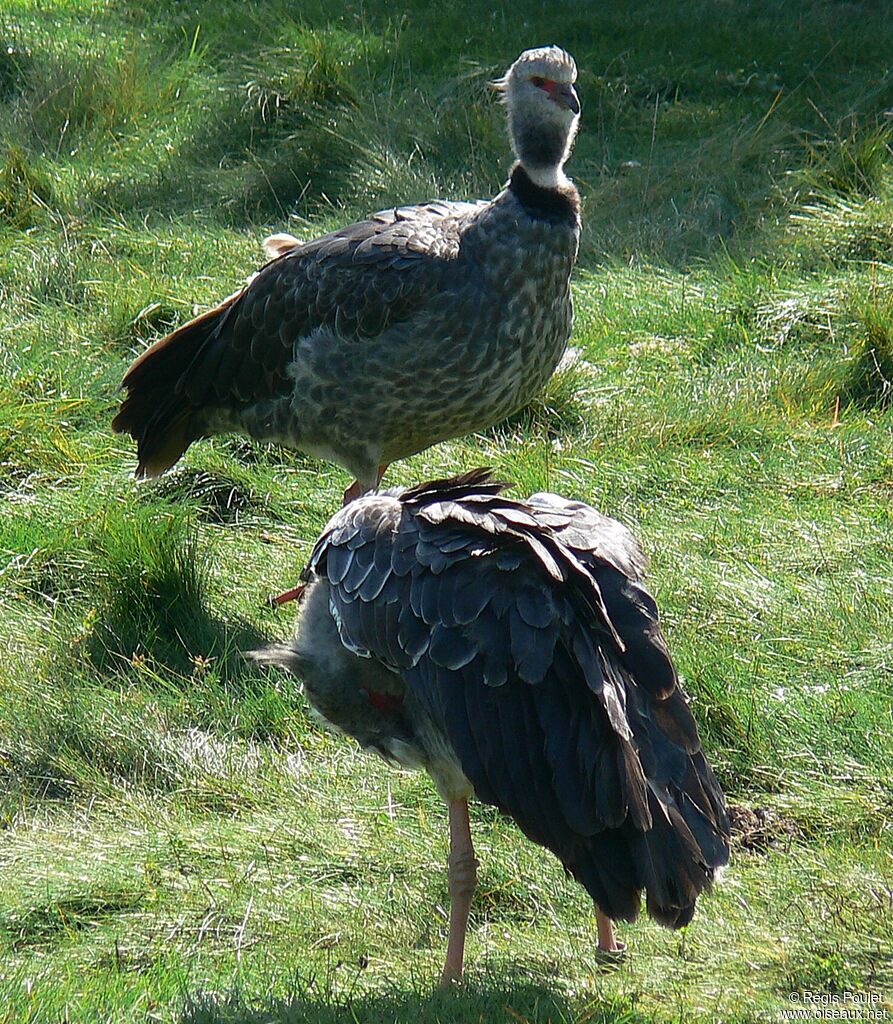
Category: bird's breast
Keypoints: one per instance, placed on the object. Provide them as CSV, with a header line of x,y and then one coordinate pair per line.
x,y
480,347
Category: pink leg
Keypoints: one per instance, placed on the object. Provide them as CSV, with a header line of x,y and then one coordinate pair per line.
x,y
607,943
356,489
352,493
463,879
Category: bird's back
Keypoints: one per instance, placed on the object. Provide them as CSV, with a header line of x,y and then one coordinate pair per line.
x,y
372,342
523,632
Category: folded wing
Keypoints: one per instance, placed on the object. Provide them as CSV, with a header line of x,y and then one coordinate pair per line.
x,y
543,662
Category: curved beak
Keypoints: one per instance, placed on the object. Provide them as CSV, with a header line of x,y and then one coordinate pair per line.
x,y
565,95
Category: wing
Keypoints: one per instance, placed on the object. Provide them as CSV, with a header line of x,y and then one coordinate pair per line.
x,y
357,282
594,537
615,558
513,646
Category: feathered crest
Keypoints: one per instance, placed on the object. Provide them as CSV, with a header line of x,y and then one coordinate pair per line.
x,y
500,85
548,61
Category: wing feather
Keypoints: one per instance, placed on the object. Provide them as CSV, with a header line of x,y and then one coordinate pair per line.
x,y
346,288
546,670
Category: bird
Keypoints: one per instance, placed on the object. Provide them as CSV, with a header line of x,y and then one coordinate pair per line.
x,y
512,650
377,340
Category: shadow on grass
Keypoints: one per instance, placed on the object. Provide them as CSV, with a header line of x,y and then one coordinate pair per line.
x,y
151,629
153,605
488,999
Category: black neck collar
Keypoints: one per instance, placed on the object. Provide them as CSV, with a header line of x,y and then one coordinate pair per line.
x,y
558,205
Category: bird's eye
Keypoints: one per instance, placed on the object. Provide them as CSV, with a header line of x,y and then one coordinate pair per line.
x,y
538,82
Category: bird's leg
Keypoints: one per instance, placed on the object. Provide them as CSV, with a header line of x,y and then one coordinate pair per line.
x,y
352,493
463,879
357,490
607,943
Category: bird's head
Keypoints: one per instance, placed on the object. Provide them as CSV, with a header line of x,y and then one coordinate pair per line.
x,y
543,111
316,645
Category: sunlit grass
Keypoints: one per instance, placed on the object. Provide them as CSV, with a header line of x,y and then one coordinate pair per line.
x,y
180,841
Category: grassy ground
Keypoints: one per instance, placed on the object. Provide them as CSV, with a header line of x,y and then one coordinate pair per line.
x,y
179,841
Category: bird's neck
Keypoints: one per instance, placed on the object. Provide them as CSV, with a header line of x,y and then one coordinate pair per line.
x,y
542,147
558,201
549,177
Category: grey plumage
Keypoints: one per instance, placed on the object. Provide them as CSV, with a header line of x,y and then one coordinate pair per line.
x,y
511,648
375,341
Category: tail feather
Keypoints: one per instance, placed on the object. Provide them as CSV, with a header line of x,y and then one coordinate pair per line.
x,y
674,861
674,839
157,412
610,875
677,867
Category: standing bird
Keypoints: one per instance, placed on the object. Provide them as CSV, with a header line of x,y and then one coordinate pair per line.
x,y
375,341
511,649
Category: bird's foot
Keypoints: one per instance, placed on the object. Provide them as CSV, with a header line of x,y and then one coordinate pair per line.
x,y
278,245
616,952
609,947
357,490
611,959
463,874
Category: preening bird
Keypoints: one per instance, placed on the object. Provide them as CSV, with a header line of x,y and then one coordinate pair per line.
x,y
384,337
511,649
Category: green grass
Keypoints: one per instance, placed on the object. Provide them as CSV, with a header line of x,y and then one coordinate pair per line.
x,y
179,841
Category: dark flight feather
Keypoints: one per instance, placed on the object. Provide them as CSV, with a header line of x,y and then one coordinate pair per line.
x,y
540,657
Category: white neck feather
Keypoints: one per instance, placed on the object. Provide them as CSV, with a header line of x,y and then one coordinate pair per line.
x,y
546,177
